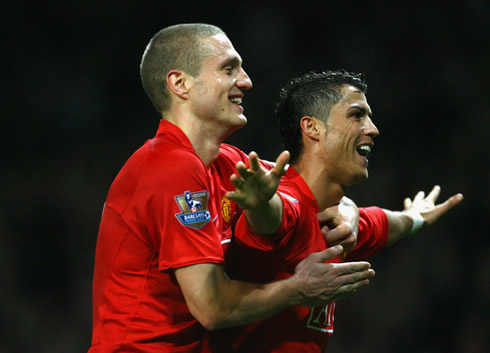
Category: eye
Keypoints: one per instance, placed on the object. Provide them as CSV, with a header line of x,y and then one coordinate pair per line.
x,y
357,114
229,69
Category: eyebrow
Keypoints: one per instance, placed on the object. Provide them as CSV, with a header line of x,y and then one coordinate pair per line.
x,y
362,109
234,61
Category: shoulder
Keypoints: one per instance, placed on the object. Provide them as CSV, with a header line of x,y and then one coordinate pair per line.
x,y
290,192
230,154
169,156
160,162
228,157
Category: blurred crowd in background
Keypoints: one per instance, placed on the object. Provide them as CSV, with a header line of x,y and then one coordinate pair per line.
x,y
75,111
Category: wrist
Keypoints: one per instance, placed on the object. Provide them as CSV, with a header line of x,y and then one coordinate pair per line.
x,y
293,287
417,221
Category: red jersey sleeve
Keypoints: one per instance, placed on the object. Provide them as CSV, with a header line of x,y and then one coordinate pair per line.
x,y
184,215
245,235
173,215
372,235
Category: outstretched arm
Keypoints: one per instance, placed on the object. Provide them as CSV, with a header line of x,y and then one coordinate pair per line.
x,y
418,213
256,192
340,223
217,301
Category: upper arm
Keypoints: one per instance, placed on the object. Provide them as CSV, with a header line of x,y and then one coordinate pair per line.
x,y
181,211
201,285
372,235
291,213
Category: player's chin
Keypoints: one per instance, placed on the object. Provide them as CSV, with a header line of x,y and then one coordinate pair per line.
x,y
358,177
241,120
362,176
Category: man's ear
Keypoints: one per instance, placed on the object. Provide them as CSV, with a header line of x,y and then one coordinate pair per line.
x,y
177,83
310,127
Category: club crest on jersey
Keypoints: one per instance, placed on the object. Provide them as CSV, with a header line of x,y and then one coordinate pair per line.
x,y
194,207
226,209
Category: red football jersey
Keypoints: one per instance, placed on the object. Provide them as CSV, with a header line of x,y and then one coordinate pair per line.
x,y
159,215
251,258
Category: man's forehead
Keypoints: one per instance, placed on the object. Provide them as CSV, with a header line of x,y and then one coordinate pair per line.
x,y
353,97
351,94
221,46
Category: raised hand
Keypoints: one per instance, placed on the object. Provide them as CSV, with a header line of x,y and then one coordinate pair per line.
x,y
426,205
256,185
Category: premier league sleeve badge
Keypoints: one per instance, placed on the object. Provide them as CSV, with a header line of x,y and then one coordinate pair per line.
x,y
194,207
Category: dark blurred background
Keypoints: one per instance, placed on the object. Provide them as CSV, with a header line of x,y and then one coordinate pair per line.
x,y
75,111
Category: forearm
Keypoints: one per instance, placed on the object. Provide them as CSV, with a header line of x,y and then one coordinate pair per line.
x,y
265,220
243,303
217,302
400,225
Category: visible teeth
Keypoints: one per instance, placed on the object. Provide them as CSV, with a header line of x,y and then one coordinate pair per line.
x,y
364,150
236,100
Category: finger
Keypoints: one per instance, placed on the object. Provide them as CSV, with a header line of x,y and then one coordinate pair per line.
x,y
347,268
236,181
337,235
355,277
241,169
229,194
328,214
347,289
419,196
325,230
253,158
450,203
281,163
328,253
407,203
232,195
334,236
434,194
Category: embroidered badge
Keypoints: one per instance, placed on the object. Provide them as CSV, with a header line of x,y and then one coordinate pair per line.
x,y
226,209
194,207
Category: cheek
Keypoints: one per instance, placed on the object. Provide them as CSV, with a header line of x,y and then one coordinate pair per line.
x,y
335,143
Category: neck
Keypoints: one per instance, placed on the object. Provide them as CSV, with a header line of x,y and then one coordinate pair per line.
x,y
204,137
326,191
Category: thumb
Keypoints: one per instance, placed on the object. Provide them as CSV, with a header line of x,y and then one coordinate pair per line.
x,y
327,215
443,208
329,253
281,163
452,202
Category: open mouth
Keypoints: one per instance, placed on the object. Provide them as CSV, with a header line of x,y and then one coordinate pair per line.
x,y
364,151
236,100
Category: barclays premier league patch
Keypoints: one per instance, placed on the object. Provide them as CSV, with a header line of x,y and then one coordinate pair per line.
x,y
194,207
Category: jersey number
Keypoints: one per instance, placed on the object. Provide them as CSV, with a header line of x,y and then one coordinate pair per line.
x,y
321,318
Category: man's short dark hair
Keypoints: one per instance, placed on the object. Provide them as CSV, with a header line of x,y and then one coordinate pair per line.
x,y
177,47
312,94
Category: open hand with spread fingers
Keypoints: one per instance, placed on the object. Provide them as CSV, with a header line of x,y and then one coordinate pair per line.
x,y
256,185
426,205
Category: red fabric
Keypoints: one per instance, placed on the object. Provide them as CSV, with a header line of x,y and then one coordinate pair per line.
x,y
251,258
372,235
137,303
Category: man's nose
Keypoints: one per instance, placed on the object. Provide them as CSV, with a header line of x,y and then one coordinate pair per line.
x,y
369,128
244,82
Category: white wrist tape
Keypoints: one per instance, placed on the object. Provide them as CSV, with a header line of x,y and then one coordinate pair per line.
x,y
417,220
